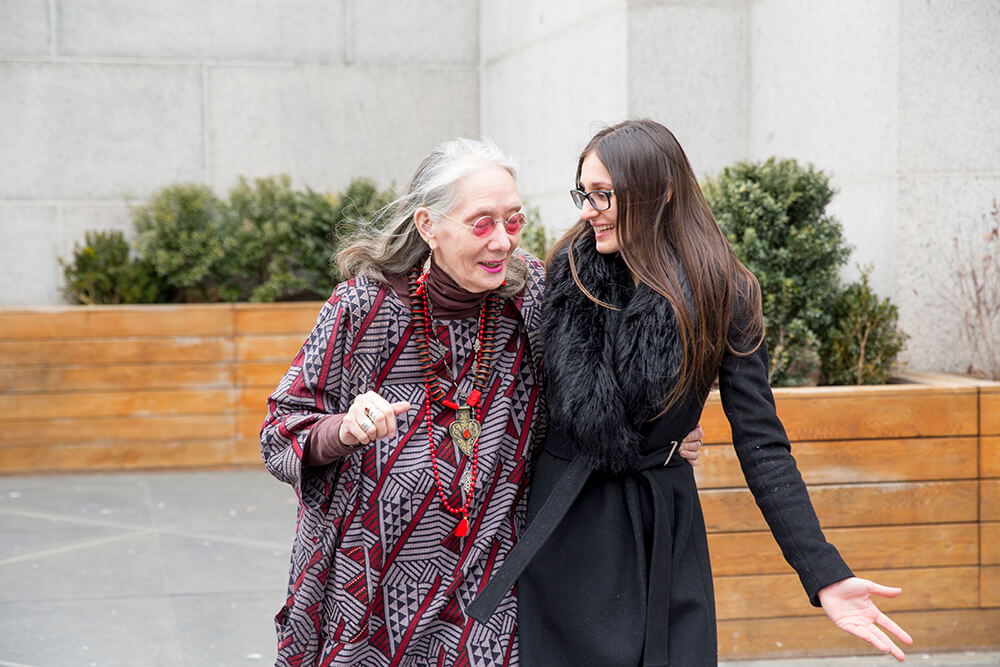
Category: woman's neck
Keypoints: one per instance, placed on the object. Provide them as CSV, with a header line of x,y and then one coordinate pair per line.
x,y
449,300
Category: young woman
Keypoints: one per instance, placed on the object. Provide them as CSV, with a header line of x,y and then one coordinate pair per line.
x,y
645,305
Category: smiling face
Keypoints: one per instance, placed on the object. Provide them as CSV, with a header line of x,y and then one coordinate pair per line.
x,y
477,264
594,176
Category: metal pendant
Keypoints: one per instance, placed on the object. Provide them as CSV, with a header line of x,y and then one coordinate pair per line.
x,y
466,480
465,430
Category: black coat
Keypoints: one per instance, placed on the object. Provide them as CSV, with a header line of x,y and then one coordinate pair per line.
x,y
620,572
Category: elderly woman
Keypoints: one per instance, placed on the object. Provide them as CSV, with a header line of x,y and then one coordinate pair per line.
x,y
406,424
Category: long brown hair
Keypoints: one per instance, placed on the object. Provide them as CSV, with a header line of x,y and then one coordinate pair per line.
x,y
664,223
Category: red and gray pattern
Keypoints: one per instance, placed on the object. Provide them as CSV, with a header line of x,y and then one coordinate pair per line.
x,y
377,575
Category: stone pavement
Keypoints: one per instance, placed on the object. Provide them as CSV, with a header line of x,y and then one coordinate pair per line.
x,y
172,568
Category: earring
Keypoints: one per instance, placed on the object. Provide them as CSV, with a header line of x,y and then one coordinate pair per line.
x,y
422,278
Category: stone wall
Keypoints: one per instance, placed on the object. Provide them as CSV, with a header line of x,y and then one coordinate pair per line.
x,y
897,101
104,101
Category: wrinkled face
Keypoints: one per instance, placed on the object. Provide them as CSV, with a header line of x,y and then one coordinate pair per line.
x,y
476,263
594,176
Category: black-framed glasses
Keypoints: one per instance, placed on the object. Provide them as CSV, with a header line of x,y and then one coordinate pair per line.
x,y
484,225
600,200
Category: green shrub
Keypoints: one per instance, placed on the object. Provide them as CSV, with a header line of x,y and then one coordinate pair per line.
x,y
103,272
281,245
863,344
534,238
184,231
286,240
773,214
362,202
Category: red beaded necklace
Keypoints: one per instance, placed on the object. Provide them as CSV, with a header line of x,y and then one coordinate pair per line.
x,y
466,428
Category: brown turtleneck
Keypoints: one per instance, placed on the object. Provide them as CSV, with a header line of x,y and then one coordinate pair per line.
x,y
449,301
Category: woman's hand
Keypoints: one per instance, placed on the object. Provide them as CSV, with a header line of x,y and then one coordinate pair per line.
x,y
369,418
849,606
690,447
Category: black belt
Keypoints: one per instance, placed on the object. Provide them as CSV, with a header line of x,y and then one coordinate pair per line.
x,y
564,493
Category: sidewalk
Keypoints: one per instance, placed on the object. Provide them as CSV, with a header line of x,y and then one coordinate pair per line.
x,y
172,568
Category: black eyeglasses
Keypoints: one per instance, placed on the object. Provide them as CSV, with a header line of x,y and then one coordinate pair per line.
x,y
600,200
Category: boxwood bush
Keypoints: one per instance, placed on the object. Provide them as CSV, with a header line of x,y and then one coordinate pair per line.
x,y
774,215
102,271
268,242
865,339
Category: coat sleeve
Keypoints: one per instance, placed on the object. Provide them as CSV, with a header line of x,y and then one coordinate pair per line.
x,y
770,471
312,387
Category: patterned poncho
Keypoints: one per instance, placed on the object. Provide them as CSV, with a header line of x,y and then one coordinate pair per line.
x,y
377,575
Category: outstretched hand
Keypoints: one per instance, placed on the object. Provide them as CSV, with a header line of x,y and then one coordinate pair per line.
x,y
848,604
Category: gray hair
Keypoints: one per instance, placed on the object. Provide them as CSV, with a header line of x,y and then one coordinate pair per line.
x,y
391,244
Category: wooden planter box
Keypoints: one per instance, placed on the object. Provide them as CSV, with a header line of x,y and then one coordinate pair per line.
x,y
905,481
905,478
124,387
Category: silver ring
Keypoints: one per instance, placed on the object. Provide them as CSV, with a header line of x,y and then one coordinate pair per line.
x,y
370,414
366,424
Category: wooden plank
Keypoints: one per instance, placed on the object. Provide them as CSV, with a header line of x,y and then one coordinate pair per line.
x,y
121,456
277,318
263,374
777,595
881,411
115,351
815,636
714,422
938,378
246,451
989,508
68,322
279,348
893,413
833,462
248,424
989,587
124,404
989,410
254,400
854,505
989,456
40,379
880,547
113,430
989,541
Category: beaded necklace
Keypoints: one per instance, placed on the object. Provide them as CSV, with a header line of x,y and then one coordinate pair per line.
x,y
465,429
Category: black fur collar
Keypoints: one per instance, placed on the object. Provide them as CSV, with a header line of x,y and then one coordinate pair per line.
x,y
607,370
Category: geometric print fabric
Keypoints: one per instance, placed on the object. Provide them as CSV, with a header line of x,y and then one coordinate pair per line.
x,y
377,576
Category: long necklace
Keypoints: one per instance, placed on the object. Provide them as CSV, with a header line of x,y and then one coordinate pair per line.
x,y
465,429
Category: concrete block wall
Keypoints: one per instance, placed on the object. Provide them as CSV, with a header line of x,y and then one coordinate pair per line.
x,y
688,68
897,101
546,87
949,161
104,101
824,92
